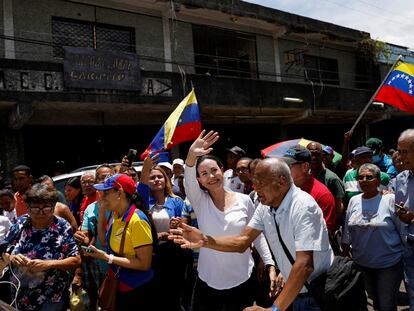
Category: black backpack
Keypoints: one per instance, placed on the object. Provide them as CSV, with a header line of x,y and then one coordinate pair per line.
x,y
340,288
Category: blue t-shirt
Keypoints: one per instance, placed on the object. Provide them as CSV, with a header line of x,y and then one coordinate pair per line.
x,y
373,230
89,223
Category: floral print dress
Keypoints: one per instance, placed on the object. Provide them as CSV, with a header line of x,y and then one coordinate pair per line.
x,y
55,242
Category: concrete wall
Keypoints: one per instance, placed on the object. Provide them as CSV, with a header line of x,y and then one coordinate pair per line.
x,y
182,47
265,58
346,61
32,20
2,30
149,40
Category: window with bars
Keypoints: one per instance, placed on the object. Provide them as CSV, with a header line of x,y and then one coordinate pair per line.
x,y
69,32
224,52
321,69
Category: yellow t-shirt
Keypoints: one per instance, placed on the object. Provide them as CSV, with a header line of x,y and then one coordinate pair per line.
x,y
138,234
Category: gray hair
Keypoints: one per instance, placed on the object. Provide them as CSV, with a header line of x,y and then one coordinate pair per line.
x,y
408,135
372,168
279,168
88,173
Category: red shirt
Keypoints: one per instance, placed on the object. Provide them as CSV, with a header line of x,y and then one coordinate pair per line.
x,y
85,202
21,206
324,198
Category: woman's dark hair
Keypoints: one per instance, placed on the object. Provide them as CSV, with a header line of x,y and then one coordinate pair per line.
x,y
141,205
41,193
208,157
43,178
75,182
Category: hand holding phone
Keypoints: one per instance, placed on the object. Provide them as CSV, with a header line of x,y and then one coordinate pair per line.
x,y
87,249
132,153
400,209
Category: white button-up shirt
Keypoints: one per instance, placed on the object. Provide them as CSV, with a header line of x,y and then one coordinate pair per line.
x,y
302,227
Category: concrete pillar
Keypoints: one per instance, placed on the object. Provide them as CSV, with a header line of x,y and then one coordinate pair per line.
x,y
167,43
277,59
8,24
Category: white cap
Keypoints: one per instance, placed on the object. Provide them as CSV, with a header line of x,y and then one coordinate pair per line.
x,y
166,164
178,161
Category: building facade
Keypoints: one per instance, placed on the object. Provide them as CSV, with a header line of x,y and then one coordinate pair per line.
x,y
260,76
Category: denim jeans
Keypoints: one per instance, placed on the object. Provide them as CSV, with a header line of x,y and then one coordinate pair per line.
x,y
409,273
383,285
60,306
305,303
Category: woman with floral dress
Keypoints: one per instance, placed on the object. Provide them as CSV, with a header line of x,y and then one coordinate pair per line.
x,y
43,250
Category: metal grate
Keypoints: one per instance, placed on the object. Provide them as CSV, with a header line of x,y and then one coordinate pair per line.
x,y
114,39
81,34
67,33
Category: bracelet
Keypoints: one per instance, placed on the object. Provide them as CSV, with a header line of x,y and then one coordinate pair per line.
x,y
274,308
110,259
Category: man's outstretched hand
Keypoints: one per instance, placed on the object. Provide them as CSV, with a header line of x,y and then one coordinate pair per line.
x,y
187,236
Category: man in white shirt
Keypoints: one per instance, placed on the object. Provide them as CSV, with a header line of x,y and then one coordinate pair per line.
x,y
178,170
301,226
231,180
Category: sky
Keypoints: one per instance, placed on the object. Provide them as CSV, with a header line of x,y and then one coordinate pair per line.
x,y
391,21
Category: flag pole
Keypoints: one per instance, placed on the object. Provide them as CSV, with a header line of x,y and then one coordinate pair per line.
x,y
375,94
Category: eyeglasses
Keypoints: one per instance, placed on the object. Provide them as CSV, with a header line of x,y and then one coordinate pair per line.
x,y
44,210
366,177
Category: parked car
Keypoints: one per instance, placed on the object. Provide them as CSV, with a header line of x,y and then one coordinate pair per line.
x,y
60,180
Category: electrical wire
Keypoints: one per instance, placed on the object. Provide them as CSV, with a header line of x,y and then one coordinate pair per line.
x,y
16,287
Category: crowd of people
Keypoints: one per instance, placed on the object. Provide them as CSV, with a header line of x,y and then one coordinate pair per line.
x,y
200,235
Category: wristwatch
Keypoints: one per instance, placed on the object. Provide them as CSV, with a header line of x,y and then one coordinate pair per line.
x,y
274,308
110,259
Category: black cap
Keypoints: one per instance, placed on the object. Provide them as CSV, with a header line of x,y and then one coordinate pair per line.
x,y
297,154
362,150
237,151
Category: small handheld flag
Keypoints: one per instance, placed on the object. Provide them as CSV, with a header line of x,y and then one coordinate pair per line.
x,y
182,125
398,89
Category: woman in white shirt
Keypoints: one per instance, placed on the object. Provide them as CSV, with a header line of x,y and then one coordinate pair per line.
x,y
225,280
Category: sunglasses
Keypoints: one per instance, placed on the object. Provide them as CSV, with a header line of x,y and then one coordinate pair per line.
x,y
366,177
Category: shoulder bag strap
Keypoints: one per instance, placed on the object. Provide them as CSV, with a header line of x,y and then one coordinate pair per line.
x,y
121,248
285,249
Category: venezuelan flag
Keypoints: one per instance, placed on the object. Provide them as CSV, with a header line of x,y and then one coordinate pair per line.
x,y
183,124
398,88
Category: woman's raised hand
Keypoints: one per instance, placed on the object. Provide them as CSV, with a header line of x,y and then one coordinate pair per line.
x,y
201,146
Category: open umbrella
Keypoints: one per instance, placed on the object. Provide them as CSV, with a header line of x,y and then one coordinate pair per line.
x,y
279,149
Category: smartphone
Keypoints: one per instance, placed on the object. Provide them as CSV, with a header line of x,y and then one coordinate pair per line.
x,y
400,209
132,153
87,249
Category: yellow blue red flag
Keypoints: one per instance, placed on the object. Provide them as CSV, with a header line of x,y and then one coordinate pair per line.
x,y
182,125
398,88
